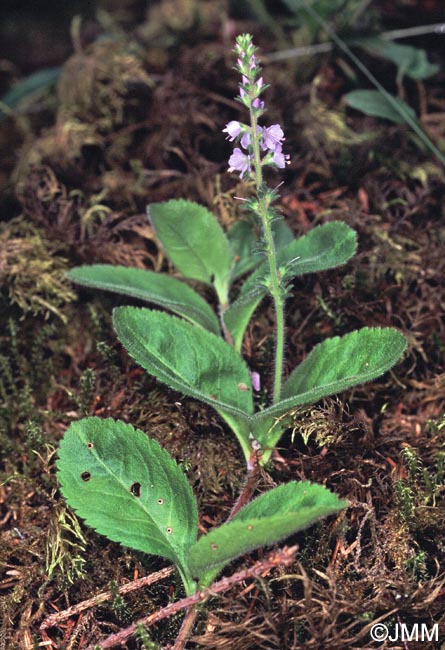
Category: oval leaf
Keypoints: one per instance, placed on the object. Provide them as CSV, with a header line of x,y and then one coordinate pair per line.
x,y
149,286
374,103
28,89
325,247
344,361
194,241
128,488
190,360
332,366
268,519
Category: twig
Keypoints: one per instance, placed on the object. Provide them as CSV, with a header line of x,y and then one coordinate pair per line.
x,y
186,628
282,557
318,48
58,617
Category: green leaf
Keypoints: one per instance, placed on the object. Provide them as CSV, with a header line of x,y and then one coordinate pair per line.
x,y
268,519
373,102
191,361
194,241
410,61
237,316
331,367
324,247
244,244
29,89
129,489
156,288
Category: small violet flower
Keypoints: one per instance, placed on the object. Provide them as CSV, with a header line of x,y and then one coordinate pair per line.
x,y
239,162
245,140
272,138
233,129
280,159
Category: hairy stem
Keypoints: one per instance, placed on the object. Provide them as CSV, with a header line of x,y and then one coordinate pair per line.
x,y
275,279
249,488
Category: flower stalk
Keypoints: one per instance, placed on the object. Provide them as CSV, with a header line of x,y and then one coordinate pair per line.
x,y
263,146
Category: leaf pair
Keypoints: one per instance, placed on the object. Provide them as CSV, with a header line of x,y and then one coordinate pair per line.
x,y
200,250
201,365
129,489
189,354
324,247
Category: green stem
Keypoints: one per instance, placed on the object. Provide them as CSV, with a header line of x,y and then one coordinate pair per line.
x,y
190,585
275,279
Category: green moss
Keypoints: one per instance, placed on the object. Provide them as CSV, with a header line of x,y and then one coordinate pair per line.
x,y
32,273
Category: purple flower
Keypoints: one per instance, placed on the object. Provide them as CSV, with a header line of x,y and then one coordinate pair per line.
x,y
247,136
256,380
245,140
280,159
272,138
233,129
239,162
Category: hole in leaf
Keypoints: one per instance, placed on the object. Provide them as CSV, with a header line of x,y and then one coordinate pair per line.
x,y
242,387
169,530
250,527
85,476
135,489
214,546
90,445
160,502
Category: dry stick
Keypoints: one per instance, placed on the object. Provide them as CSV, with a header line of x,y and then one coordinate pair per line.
x,y
309,50
249,488
58,617
186,628
282,557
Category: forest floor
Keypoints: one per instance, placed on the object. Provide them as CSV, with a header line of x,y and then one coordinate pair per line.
x,y
136,117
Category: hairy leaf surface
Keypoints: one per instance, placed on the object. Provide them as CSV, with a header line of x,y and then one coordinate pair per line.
x,y
332,366
325,247
128,488
269,518
157,288
190,360
194,241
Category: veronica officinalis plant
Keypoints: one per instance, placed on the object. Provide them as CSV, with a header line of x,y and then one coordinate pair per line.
x,y
119,480
197,352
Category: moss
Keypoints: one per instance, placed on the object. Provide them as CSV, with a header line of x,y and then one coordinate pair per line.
x,y
32,271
